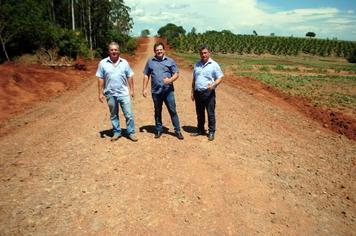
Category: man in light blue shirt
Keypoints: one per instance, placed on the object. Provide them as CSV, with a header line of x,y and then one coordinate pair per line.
x,y
115,83
207,75
162,71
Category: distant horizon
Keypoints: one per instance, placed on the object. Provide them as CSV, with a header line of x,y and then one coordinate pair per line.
x,y
293,36
327,19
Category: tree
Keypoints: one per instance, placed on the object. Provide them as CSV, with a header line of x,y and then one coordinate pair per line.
x,y
310,34
120,16
73,16
26,26
22,26
170,32
145,33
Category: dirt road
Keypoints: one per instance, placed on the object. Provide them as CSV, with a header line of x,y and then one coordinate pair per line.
x,y
270,171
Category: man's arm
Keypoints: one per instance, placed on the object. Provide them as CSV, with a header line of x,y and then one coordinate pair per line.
x,y
174,69
101,89
215,84
146,78
131,86
172,79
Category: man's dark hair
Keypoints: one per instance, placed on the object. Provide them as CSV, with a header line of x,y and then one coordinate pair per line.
x,y
158,44
203,46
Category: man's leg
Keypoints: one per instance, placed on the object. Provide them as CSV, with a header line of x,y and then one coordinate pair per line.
x,y
210,106
158,102
171,106
200,111
126,107
113,108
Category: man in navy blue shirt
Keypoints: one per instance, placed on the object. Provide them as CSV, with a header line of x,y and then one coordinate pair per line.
x,y
207,76
162,71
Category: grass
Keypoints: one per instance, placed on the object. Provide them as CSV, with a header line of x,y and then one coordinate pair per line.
x,y
329,82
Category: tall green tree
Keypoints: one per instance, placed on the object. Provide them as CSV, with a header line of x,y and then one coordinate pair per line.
x,y
171,32
22,26
120,16
27,25
145,33
310,34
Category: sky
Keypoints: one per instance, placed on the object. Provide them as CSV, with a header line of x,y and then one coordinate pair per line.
x,y
327,18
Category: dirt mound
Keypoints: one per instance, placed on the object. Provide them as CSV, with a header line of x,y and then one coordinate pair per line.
x,y
23,85
335,121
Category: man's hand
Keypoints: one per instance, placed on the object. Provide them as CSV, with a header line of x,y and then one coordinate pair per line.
x,y
101,98
144,92
211,86
167,81
132,93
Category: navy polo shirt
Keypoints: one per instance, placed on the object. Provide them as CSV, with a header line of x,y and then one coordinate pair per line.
x,y
158,70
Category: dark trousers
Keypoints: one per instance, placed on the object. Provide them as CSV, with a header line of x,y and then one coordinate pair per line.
x,y
169,100
205,100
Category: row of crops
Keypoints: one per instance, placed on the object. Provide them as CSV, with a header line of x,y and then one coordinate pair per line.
x,y
227,42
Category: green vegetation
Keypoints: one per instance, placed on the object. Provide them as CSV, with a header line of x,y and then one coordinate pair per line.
x,y
226,42
145,33
171,32
330,83
310,34
264,68
312,68
352,57
72,28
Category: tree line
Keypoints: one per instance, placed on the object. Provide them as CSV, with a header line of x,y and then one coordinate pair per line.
x,y
227,42
73,27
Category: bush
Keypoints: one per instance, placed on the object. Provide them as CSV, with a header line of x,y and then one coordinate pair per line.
x,y
71,44
131,45
352,57
279,67
127,44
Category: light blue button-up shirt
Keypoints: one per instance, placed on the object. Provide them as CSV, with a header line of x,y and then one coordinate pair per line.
x,y
115,76
205,74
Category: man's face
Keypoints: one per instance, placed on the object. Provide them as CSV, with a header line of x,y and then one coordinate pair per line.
x,y
204,55
159,51
114,52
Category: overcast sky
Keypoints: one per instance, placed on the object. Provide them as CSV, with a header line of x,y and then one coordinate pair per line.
x,y
328,19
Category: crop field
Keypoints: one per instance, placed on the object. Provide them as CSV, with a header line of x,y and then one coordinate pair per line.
x,y
325,82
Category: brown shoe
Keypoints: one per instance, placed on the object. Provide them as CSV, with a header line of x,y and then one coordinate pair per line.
x,y
133,138
115,137
179,135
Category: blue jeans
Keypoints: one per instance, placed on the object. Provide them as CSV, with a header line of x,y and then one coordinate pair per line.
x,y
205,100
126,107
168,99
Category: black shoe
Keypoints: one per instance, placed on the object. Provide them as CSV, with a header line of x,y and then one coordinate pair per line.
x,y
179,135
158,134
211,136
